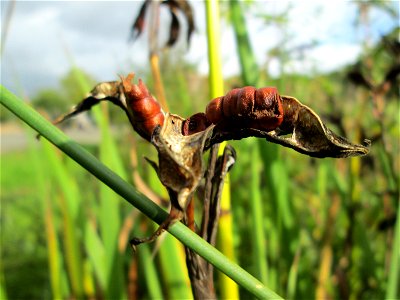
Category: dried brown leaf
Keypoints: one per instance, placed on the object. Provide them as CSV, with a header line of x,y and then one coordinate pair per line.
x,y
174,29
138,25
187,11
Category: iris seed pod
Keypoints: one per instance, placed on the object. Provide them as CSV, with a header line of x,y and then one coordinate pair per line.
x,y
144,112
245,107
250,107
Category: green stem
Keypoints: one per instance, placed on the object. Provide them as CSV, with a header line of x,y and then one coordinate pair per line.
x,y
214,56
228,289
250,76
128,192
250,71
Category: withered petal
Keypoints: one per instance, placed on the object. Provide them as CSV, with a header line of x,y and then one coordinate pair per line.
x,y
187,11
174,29
138,25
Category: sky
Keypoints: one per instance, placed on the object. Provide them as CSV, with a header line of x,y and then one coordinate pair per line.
x,y
45,38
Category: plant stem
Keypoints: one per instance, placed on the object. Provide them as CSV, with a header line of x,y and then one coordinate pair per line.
x,y
154,55
216,82
129,193
228,289
250,76
250,71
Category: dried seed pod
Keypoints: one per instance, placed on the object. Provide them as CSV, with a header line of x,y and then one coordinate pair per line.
x,y
196,123
301,129
180,167
304,131
144,112
248,107
104,91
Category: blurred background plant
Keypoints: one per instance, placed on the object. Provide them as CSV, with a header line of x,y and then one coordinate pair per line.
x,y
316,228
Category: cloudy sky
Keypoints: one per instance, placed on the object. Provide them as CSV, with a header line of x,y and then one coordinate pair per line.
x,y
44,39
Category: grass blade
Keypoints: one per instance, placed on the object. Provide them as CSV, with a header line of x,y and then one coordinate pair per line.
x,y
149,270
174,269
69,200
392,291
257,213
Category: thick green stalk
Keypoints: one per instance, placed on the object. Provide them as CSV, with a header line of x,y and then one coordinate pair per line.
x,y
250,77
228,289
129,193
250,71
216,82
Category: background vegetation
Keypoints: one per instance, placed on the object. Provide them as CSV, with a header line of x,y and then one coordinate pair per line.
x,y
328,226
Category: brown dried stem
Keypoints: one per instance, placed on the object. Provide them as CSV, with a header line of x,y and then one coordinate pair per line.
x,y
200,271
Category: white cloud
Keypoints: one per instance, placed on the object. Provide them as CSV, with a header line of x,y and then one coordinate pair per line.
x,y
96,33
326,58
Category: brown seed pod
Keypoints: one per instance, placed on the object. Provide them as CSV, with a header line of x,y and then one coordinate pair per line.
x,y
196,123
143,110
248,107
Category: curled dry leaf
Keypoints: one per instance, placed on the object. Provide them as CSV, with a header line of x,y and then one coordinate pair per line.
x,y
138,25
174,29
174,6
187,11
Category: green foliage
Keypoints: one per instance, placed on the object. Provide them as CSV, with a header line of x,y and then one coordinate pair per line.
x,y
52,101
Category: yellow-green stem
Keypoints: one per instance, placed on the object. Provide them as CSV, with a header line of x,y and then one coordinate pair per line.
x,y
228,288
